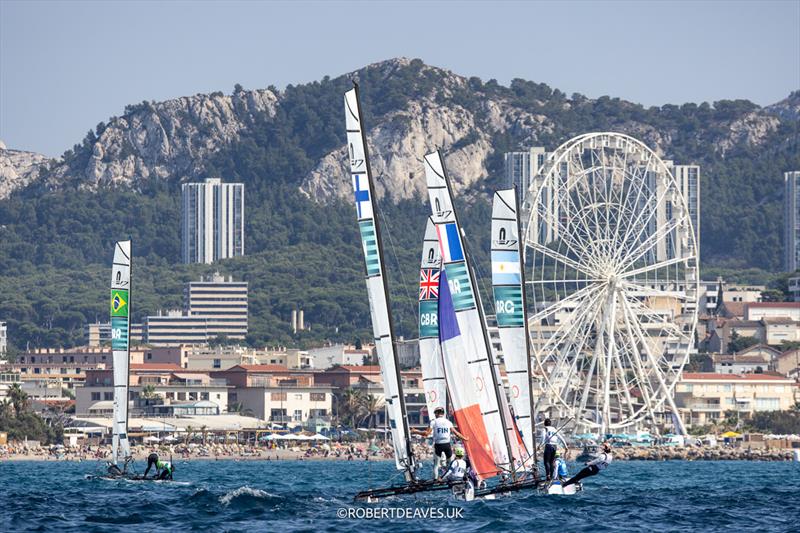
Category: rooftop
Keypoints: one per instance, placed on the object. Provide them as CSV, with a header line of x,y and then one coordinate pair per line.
x,y
712,376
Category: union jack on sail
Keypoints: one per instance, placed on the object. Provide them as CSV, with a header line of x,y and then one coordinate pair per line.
x,y
428,284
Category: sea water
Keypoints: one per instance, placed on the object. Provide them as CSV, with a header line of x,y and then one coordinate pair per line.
x,y
314,495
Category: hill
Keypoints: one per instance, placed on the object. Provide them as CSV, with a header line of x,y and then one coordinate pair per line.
x,y
57,224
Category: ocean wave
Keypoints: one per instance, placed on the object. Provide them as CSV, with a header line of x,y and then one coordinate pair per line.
x,y
244,493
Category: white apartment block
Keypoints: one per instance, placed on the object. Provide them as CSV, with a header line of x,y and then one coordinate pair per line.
x,y
212,221
3,339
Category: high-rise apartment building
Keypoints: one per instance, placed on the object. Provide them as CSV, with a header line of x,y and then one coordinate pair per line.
x,y
212,221
688,178
791,221
3,338
213,307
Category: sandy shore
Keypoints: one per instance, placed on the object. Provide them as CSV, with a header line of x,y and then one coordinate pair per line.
x,y
357,452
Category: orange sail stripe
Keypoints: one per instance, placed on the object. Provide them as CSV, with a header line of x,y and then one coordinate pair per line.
x,y
470,424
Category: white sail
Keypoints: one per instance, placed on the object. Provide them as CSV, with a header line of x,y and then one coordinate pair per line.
x,y
430,353
509,299
376,283
120,324
476,354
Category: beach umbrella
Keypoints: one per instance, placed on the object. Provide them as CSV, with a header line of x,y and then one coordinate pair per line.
x,y
151,439
320,437
731,435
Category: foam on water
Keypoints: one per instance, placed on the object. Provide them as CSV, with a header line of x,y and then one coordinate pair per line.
x,y
243,492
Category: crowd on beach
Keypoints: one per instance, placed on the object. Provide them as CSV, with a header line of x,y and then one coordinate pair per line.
x,y
354,451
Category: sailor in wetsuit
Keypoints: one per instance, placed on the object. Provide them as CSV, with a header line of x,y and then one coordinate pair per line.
x,y
163,468
441,428
458,468
593,467
560,470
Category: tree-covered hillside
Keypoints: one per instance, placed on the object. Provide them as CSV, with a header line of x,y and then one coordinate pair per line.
x,y
56,235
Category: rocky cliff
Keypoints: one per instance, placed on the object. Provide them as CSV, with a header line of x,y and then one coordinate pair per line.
x,y
18,168
470,120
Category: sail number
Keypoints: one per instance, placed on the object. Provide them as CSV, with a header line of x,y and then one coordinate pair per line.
x,y
504,306
455,286
429,319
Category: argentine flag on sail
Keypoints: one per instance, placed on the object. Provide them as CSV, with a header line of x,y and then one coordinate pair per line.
x,y
450,242
505,268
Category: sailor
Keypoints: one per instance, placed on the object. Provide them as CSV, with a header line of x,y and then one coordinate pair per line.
x,y
550,440
441,428
164,469
560,470
593,467
458,468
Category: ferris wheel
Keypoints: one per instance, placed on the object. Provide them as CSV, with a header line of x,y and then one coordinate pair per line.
x,y
613,272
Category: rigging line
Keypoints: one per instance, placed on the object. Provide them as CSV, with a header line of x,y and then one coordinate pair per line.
x,y
387,230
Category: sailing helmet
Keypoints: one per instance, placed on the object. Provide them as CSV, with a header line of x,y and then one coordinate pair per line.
x,y
438,410
459,452
558,454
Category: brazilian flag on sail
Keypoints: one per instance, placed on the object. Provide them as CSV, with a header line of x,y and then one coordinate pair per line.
x,y
119,302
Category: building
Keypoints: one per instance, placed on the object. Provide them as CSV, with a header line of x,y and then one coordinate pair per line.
x,y
762,310
222,301
99,334
212,221
339,354
703,398
214,307
3,339
280,395
68,366
794,288
155,390
688,178
791,221
741,363
710,292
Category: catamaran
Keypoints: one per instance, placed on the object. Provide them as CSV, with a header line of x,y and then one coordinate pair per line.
x,y
377,290
479,400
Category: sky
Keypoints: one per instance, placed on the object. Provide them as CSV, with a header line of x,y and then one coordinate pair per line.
x,y
66,66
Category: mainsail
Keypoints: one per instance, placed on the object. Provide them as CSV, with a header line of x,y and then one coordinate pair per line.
x,y
430,354
509,297
475,354
377,289
120,322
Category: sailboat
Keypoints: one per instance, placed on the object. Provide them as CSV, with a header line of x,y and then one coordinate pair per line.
x,y
508,286
479,401
120,347
377,289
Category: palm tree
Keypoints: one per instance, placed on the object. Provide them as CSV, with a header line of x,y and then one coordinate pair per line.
x,y
148,391
204,432
19,398
6,409
189,432
371,406
351,405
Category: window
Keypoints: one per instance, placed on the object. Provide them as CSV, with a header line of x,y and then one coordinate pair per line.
x,y
108,395
278,396
182,396
298,396
204,396
193,396
317,396
218,396
95,396
217,363
298,415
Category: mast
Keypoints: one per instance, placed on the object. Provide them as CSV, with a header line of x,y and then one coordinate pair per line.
x,y
468,305
527,333
120,346
377,288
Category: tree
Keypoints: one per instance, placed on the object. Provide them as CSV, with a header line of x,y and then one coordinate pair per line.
x,y
148,391
238,408
371,406
738,343
19,399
